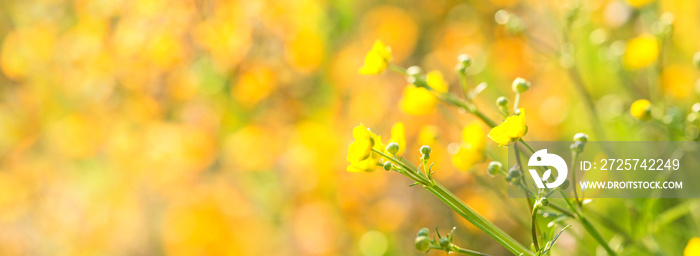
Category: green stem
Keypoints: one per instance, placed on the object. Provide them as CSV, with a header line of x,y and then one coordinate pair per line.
x,y
516,102
477,220
463,84
458,249
462,209
574,157
396,68
533,230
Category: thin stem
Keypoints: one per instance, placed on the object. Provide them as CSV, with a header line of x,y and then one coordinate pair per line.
x,y
396,68
533,230
477,220
458,249
463,84
516,102
574,158
462,209
561,209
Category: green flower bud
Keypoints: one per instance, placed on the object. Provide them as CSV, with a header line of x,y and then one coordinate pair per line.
x,y
425,150
425,157
502,101
520,85
465,60
392,148
582,137
513,175
495,167
444,242
578,146
544,201
387,166
424,232
422,243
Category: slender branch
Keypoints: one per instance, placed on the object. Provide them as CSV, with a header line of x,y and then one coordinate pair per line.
x,y
462,209
533,230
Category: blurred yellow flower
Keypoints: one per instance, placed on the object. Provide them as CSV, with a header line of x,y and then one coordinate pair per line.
x,y
641,109
471,148
360,154
398,135
420,101
638,3
376,59
428,135
641,51
693,247
510,130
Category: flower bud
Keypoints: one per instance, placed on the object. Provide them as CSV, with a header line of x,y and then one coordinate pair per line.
x,y
425,157
387,166
577,146
424,232
582,137
465,60
422,243
544,201
520,85
494,167
444,242
641,109
425,150
392,148
502,101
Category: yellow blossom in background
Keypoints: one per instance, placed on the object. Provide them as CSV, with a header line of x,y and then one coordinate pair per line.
x,y
419,100
428,135
641,51
641,109
398,135
376,59
360,154
510,130
639,3
472,147
693,247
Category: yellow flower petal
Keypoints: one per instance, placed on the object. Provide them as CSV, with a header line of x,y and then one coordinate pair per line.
x,y
693,247
376,59
511,129
360,153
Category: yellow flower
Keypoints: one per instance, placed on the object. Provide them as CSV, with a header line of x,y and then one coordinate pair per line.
x,y
641,51
420,101
376,59
641,109
360,153
510,130
398,135
693,247
638,3
471,149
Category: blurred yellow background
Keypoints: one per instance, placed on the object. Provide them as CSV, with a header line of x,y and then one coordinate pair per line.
x,y
204,127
